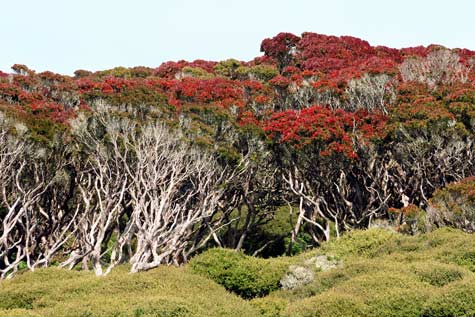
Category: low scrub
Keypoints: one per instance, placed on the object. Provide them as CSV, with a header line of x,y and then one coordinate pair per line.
x,y
376,273
388,274
455,299
166,291
246,276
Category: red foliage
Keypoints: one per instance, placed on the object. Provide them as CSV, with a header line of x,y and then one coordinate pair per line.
x,y
339,59
333,130
414,51
51,77
280,48
220,90
307,64
21,69
280,81
169,69
9,91
247,118
319,51
50,110
279,45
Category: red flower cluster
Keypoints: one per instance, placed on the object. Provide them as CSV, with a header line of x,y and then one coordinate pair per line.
x,y
333,130
294,73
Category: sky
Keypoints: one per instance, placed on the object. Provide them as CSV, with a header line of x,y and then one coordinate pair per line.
x,y
65,35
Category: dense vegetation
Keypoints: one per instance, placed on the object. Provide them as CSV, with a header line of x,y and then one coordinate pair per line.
x,y
319,136
365,273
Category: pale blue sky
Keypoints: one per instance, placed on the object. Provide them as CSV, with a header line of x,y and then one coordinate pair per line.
x,y
65,35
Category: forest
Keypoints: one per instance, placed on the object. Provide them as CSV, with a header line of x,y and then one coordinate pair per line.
x,y
323,151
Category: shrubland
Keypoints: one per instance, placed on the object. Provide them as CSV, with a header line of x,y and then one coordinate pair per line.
x,y
373,272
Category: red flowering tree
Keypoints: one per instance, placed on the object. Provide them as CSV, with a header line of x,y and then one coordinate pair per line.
x,y
281,48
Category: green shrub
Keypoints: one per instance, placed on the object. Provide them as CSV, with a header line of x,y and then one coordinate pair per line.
x,y
259,72
244,275
196,72
10,299
450,245
327,305
367,243
381,274
270,306
466,259
227,68
438,274
277,231
455,299
397,302
166,291
18,313
387,292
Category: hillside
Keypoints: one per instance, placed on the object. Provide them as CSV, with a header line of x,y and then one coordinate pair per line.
x,y
368,273
205,177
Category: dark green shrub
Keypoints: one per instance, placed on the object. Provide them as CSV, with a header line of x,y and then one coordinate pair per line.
x,y
466,259
10,299
277,231
246,276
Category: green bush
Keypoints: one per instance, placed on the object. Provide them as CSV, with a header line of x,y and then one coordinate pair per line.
x,y
196,72
227,68
438,274
378,293
456,299
270,306
466,259
389,274
166,291
18,313
382,273
11,299
259,72
367,243
453,246
246,276
277,231
329,304
398,302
